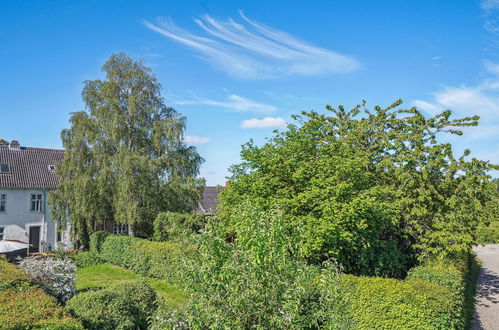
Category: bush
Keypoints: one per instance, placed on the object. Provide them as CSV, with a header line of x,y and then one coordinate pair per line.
x,y
11,276
31,308
489,234
56,276
170,226
431,297
126,306
254,283
96,240
393,304
86,259
156,259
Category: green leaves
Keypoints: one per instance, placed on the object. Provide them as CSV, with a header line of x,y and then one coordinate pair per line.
x,y
373,189
125,156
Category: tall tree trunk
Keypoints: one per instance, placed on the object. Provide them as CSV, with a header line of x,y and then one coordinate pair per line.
x,y
131,231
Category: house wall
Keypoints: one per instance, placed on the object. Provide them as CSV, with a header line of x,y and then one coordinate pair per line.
x,y
18,217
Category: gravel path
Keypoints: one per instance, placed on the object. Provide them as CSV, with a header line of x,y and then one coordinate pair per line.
x,y
487,295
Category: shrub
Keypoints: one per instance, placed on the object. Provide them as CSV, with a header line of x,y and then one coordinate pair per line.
x,y
372,189
86,259
11,276
96,240
56,276
118,250
394,304
170,226
156,259
31,308
254,283
126,306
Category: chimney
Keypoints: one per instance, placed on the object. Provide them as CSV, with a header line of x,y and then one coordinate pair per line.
x,y
14,145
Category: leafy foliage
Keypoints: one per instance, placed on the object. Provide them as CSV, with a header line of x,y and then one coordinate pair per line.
x,y
170,226
23,306
96,240
125,157
87,259
56,276
156,259
11,276
371,189
254,282
126,306
31,308
432,297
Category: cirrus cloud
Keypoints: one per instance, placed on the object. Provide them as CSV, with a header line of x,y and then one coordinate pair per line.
x,y
253,50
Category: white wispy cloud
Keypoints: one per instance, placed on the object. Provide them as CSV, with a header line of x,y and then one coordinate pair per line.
x,y
267,122
196,140
481,99
253,50
232,102
490,4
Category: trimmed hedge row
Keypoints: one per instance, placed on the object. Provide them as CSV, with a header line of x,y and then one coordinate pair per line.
x,y
23,306
155,259
126,306
431,297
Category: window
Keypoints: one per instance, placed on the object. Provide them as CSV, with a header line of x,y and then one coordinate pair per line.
x,y
4,168
59,236
120,229
36,202
3,202
2,233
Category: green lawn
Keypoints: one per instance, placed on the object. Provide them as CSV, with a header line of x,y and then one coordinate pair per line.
x,y
104,275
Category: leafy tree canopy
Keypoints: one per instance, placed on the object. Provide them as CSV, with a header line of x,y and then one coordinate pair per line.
x,y
4,142
125,157
372,189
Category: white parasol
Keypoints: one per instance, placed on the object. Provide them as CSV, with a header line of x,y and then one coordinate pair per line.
x,y
9,246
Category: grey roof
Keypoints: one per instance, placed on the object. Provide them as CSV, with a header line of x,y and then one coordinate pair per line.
x,y
29,167
209,201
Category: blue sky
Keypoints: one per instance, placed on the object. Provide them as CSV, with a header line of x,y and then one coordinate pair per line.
x,y
239,69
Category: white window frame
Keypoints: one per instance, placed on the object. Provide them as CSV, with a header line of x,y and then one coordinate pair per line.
x,y
38,200
3,201
120,229
2,232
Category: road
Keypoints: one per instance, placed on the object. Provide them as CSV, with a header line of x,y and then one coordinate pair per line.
x,y
487,295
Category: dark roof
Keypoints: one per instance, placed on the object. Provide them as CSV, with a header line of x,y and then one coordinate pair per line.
x,y
209,201
29,167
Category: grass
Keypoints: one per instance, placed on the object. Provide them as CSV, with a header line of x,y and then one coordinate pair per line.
x,y
104,275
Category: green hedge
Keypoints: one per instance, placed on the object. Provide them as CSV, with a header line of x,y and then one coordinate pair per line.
x,y
96,240
126,306
431,297
23,306
155,259
11,276
86,259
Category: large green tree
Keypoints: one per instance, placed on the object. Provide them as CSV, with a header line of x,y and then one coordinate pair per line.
x,y
372,189
125,158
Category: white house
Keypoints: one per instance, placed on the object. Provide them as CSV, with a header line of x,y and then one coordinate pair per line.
x,y
26,177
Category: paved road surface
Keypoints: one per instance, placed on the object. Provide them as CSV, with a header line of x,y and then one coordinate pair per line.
x,y
487,296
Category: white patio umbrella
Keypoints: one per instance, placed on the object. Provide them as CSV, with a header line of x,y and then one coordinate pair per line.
x,y
9,246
